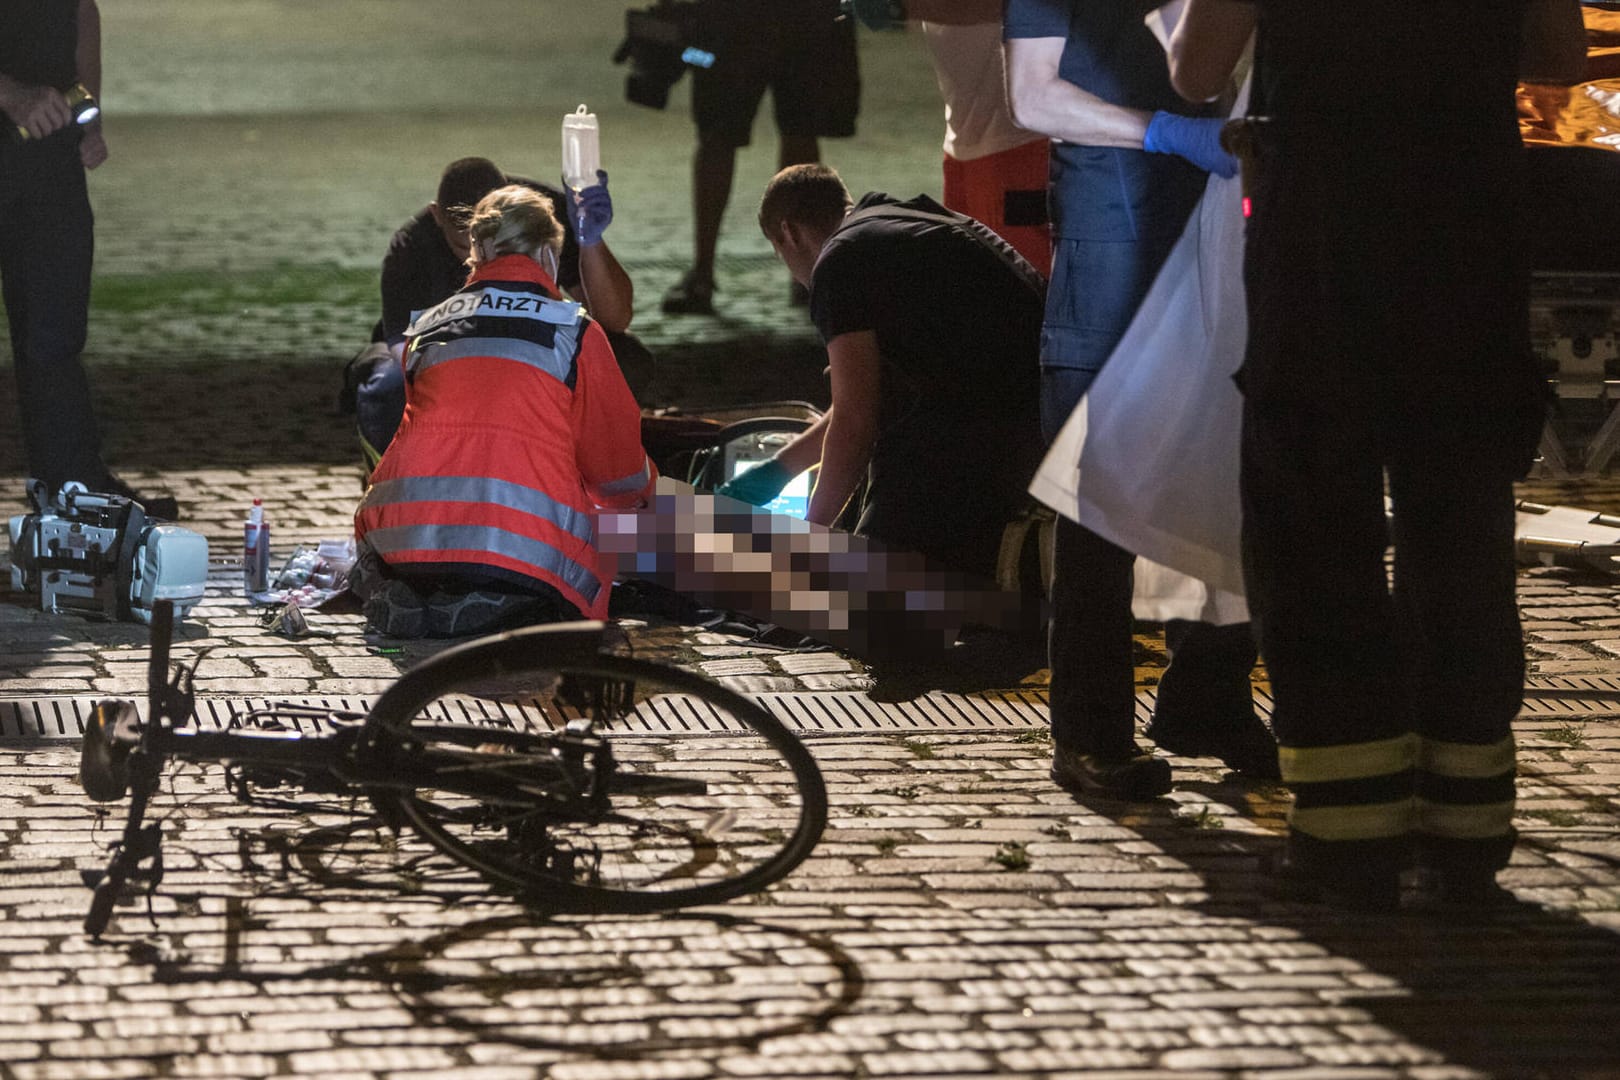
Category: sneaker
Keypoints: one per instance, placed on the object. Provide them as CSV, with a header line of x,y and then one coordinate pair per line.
x,y
396,609
451,614
1246,747
692,295
1135,777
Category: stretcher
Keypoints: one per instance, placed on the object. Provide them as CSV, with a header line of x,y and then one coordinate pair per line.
x,y
1567,536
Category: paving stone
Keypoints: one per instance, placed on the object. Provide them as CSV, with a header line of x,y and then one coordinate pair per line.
x,y
1132,946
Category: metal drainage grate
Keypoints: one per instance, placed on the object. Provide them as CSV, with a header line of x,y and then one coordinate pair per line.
x,y
63,718
1572,696
810,713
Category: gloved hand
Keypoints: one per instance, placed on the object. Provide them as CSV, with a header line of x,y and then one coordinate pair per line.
x,y
1196,138
591,212
758,485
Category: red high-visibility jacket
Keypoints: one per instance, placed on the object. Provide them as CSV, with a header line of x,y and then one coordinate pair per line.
x,y
518,425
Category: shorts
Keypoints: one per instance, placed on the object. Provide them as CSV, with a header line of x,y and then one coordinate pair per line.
x,y
800,50
1006,191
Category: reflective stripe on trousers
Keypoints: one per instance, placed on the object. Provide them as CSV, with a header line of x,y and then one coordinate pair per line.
x,y
393,541
1391,787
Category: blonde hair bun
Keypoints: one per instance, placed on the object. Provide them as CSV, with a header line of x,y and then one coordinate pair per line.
x,y
513,220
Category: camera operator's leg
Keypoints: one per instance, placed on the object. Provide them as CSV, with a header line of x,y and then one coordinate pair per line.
x,y
815,88
724,102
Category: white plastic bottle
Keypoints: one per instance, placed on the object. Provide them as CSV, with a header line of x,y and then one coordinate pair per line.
x,y
581,149
256,551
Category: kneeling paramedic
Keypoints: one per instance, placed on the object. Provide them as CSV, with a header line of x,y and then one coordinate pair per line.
x,y
518,426
932,325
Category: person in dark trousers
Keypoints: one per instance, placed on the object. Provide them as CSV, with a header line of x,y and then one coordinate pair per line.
x,y
1130,162
803,51
931,323
427,261
47,237
1388,351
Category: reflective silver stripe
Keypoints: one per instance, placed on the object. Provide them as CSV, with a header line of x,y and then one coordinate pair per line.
x,y
482,489
1474,822
523,549
554,362
1347,761
1477,762
503,303
1377,821
566,343
634,482
460,306
521,304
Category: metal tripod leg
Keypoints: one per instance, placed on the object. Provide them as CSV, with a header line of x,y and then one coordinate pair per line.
x,y
1553,459
1605,443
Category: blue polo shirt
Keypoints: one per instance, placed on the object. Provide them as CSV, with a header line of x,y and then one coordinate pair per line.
x,y
1105,193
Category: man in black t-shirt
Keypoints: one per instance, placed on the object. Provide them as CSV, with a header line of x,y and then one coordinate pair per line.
x,y
932,326
427,262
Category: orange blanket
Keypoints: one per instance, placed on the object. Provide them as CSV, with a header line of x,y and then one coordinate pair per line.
x,y
1587,114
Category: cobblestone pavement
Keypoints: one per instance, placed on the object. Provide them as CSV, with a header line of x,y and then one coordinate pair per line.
x,y
962,917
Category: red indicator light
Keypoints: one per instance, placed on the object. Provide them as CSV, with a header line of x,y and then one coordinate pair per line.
x,y
1248,207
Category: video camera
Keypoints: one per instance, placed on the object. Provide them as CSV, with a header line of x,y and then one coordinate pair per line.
x,y
661,43
99,555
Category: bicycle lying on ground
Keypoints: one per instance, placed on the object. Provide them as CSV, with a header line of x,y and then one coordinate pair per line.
x,y
586,796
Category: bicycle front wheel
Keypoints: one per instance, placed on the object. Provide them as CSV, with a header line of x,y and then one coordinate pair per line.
x,y
596,783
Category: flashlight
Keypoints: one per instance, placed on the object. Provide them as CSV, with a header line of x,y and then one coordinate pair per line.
x,y
81,101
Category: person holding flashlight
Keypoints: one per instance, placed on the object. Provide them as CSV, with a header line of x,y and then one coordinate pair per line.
x,y
50,75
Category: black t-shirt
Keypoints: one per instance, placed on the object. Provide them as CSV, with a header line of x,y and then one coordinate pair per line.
x,y
420,269
1108,193
957,316
38,41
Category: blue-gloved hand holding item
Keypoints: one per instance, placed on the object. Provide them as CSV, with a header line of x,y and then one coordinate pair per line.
x,y
758,485
1196,138
591,211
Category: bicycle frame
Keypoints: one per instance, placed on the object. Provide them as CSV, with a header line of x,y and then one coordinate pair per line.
x,y
551,813
357,758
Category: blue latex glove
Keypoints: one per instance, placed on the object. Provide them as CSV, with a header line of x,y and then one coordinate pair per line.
x,y
591,212
1196,138
758,485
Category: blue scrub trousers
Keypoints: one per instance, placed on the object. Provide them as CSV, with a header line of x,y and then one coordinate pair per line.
x,y
1095,291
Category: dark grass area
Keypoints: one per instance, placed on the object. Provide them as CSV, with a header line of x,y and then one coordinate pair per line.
x,y
207,292
281,409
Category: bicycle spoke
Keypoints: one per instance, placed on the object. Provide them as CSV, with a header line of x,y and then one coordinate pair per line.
x,y
618,814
